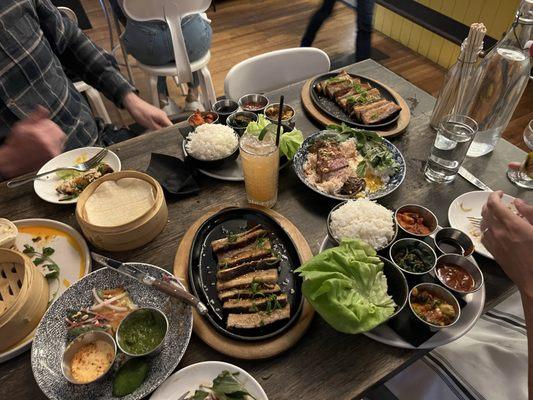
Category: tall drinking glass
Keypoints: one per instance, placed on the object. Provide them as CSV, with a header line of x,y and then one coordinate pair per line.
x,y
523,176
454,135
260,164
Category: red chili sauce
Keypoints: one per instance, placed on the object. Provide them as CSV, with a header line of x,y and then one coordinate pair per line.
x,y
455,277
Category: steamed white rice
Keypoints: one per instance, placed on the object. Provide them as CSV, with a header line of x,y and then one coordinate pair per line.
x,y
363,219
211,142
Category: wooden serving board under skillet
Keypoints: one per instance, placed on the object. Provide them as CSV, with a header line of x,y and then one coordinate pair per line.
x,y
393,130
238,348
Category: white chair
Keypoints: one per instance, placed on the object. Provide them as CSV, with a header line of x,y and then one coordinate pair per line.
x,y
93,96
273,70
172,12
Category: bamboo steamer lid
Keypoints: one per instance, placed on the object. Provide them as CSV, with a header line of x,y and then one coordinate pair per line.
x,y
24,297
131,235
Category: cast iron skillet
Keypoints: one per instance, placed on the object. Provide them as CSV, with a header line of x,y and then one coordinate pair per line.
x,y
330,108
203,268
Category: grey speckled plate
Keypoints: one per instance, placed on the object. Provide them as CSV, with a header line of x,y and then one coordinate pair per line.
x,y
50,337
301,157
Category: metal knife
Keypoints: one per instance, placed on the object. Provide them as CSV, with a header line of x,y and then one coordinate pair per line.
x,y
147,279
473,180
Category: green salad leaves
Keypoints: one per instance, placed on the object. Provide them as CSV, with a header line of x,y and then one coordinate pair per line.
x,y
347,287
226,386
289,142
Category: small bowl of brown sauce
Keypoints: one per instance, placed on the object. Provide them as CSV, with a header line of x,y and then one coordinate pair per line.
x,y
415,220
272,111
458,274
453,241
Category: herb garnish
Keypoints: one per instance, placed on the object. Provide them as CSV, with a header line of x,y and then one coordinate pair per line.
x,y
232,237
260,242
226,386
42,259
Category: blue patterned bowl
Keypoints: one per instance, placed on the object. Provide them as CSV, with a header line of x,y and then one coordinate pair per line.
x,y
301,157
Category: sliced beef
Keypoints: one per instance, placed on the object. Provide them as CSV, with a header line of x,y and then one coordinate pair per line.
x,y
269,276
225,274
257,320
330,159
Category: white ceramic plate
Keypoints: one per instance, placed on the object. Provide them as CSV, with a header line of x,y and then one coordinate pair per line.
x,y
71,255
469,316
472,203
190,378
45,187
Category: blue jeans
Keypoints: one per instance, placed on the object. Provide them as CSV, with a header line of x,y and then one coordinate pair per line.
x,y
150,43
365,12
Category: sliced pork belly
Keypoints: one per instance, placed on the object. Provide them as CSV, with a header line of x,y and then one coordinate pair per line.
x,y
252,305
257,320
225,274
269,276
238,240
261,248
379,114
358,110
247,293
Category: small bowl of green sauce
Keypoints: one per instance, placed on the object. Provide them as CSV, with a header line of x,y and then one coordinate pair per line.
x,y
142,332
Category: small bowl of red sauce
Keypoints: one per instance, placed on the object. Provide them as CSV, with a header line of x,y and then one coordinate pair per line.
x,y
415,220
458,274
255,103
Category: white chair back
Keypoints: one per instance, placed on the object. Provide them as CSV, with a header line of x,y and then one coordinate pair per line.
x,y
273,70
171,12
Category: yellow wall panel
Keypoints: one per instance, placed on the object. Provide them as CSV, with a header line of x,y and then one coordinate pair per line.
x,y
497,15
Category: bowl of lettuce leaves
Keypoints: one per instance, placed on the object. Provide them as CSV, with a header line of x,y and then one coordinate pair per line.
x,y
352,288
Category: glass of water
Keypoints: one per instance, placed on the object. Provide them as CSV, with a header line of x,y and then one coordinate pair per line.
x,y
523,175
454,135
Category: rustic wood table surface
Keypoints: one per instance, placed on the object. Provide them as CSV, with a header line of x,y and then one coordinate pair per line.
x,y
325,364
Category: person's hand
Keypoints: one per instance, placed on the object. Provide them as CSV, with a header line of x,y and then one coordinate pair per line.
x,y
145,114
509,238
30,144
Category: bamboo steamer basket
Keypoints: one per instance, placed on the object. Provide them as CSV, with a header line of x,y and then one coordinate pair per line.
x,y
24,297
133,234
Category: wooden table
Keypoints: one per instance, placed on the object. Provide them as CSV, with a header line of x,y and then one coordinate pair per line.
x,y
325,364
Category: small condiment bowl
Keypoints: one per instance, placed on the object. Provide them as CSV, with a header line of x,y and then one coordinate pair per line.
x,y
255,98
412,242
444,294
211,164
204,114
454,235
157,314
430,219
465,263
274,119
237,128
337,241
225,108
76,344
397,285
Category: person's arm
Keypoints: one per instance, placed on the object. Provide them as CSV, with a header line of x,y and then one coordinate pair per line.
x,y
509,238
94,65
30,144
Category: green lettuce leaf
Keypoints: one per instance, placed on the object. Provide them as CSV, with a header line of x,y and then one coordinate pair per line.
x,y
347,287
290,142
255,127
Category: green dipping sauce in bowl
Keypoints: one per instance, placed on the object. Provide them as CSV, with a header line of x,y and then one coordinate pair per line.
x,y
142,332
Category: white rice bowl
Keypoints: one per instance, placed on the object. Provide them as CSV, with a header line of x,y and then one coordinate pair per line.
x,y
210,142
365,220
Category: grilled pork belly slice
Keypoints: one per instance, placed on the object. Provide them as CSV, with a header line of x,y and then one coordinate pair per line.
x,y
238,240
247,293
360,99
358,110
355,89
379,114
269,276
256,265
252,305
257,320
341,77
261,248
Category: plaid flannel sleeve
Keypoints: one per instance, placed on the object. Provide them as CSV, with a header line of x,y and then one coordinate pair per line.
x,y
80,55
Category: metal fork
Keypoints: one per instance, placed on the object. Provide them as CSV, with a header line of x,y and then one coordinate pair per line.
x,y
82,167
183,396
475,221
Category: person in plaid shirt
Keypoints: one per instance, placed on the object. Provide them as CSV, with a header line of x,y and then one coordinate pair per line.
x,y
41,112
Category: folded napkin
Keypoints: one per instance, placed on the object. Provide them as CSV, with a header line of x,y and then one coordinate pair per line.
x,y
174,175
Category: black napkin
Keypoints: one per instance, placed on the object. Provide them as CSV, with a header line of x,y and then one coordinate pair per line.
x,y
173,174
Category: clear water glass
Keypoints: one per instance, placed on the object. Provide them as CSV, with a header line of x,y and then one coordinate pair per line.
x,y
522,177
454,135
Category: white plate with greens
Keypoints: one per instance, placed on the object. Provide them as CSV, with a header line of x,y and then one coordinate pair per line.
x,y
208,376
470,313
51,243
45,187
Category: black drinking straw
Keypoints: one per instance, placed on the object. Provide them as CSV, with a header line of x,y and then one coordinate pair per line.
x,y
281,99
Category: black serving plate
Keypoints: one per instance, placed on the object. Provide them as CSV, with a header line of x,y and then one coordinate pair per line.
x,y
330,108
203,268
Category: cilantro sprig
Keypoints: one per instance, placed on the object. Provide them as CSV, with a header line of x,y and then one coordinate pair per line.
x,y
42,260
